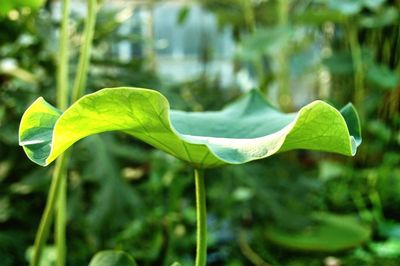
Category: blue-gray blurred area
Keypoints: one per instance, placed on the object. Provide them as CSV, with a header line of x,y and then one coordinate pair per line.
x,y
297,208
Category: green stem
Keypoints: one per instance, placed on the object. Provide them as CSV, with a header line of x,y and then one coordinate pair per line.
x,y
78,90
62,70
248,252
45,222
283,75
356,54
249,15
62,103
201,215
59,174
61,223
58,185
84,59
250,22
362,209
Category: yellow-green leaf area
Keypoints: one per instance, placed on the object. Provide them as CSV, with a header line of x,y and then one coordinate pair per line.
x,y
246,130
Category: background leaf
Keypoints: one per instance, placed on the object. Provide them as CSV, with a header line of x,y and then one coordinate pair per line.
x,y
112,258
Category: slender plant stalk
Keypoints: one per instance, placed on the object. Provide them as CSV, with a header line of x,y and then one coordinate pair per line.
x,y
201,215
84,59
356,55
150,52
45,222
361,206
249,253
78,91
250,21
59,173
58,187
61,221
62,103
62,70
249,15
283,75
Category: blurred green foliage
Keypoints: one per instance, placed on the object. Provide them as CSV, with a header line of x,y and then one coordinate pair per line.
x,y
124,195
8,5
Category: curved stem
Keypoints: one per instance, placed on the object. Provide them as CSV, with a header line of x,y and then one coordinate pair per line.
x,y
45,222
84,59
249,253
201,215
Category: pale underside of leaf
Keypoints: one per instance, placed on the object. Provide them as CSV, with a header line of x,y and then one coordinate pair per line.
x,y
246,130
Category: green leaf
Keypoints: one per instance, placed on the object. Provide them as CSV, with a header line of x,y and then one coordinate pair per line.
x,y
373,4
247,130
48,257
329,233
112,258
183,15
386,249
353,7
383,77
385,17
346,7
340,63
7,5
320,16
264,41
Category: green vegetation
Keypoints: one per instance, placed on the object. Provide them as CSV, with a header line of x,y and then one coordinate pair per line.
x,y
112,258
204,140
246,130
112,192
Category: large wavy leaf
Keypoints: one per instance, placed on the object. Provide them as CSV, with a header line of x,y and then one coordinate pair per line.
x,y
246,130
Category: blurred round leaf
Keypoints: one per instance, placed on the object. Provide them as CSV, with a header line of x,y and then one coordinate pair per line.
x,y
346,7
48,257
388,16
340,63
382,76
387,249
352,7
112,258
373,4
265,41
379,130
329,233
